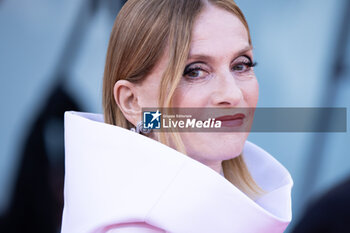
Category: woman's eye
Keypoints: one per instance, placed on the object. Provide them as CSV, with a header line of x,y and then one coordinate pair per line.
x,y
195,72
243,64
240,67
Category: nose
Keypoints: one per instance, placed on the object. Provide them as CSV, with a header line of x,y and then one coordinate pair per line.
x,y
226,91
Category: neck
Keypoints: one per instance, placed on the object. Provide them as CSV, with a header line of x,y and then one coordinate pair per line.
x,y
217,166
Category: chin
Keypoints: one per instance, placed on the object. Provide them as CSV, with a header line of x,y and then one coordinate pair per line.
x,y
215,146
226,152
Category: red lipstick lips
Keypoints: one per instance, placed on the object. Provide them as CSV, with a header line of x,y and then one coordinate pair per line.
x,y
231,120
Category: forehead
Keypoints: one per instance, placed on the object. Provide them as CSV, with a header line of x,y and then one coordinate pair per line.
x,y
218,31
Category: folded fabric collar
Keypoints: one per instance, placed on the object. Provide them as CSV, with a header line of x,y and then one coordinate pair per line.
x,y
116,176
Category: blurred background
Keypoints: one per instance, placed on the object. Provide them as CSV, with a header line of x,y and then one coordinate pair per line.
x,y
52,56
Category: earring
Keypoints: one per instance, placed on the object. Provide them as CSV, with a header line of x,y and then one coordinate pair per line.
x,y
140,128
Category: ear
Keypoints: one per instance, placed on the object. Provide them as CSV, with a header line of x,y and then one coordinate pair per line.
x,y
125,95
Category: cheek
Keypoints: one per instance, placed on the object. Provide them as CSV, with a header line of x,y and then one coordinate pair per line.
x,y
251,92
190,96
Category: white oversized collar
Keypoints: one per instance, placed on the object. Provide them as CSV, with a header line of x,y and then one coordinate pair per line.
x,y
116,176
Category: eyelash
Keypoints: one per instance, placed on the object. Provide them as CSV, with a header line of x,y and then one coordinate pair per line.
x,y
247,62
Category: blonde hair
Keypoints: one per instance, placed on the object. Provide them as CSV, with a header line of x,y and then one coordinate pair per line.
x,y
142,31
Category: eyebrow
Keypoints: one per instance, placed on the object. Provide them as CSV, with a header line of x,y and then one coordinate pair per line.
x,y
208,57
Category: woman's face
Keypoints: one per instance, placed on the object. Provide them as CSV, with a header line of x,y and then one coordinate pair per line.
x,y
219,74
